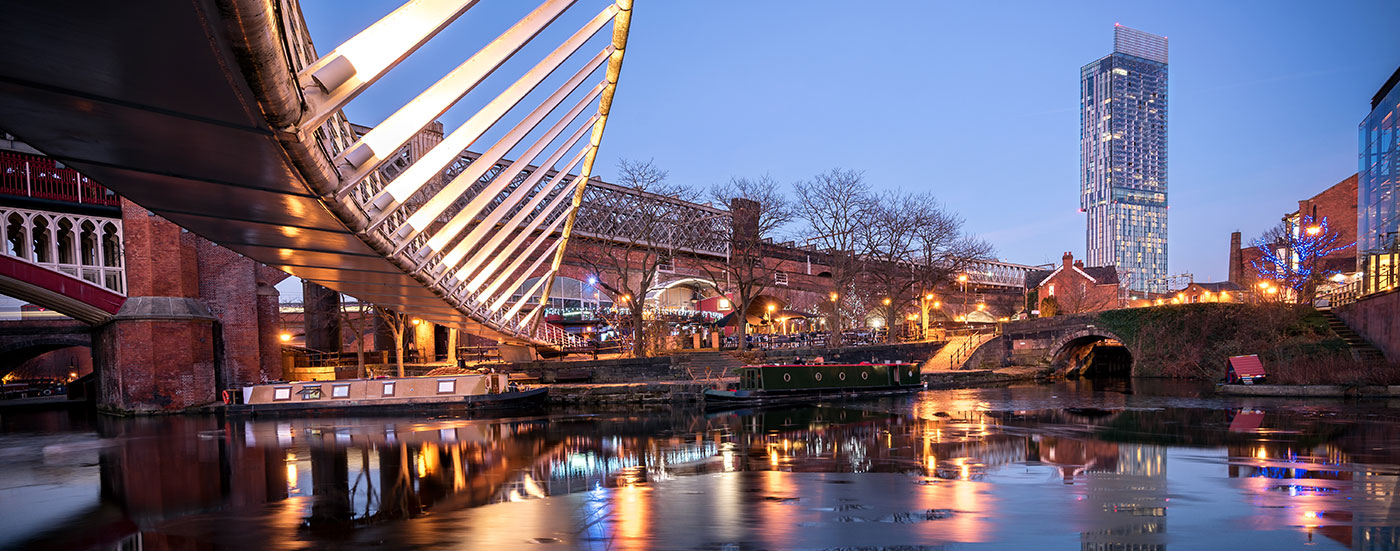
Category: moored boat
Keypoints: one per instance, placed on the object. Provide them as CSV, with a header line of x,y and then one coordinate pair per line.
x,y
388,395
765,384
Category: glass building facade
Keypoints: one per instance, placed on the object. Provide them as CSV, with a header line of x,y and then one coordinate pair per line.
x,y
1123,159
1378,193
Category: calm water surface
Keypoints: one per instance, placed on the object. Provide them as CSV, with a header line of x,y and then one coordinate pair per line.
x,y
1089,465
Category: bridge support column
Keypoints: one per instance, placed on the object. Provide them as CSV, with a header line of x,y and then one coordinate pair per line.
x,y
322,307
199,318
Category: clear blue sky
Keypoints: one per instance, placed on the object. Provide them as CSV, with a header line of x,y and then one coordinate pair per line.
x,y
974,103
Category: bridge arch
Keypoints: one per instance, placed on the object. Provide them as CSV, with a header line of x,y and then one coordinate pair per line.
x,y
15,352
1091,350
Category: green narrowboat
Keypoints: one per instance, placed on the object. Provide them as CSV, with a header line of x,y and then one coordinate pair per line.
x,y
761,384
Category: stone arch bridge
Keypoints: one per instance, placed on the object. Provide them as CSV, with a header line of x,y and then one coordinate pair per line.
x,y
1072,344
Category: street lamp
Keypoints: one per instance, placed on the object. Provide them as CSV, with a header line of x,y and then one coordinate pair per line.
x,y
962,278
923,309
1314,230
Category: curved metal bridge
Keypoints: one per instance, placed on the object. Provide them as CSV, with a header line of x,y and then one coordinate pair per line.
x,y
221,116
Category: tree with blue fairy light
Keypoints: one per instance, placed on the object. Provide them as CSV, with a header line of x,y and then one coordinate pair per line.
x,y
1294,256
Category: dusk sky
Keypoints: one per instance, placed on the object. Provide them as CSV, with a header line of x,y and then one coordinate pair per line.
x,y
976,105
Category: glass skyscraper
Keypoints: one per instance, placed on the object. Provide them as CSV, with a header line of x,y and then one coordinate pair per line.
x,y
1123,158
1378,191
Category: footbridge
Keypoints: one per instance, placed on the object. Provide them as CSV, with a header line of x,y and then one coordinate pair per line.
x,y
223,117
1074,344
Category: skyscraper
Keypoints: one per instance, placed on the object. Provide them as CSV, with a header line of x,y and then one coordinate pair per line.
x,y
1123,158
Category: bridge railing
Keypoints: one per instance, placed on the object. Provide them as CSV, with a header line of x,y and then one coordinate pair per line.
x,y
39,177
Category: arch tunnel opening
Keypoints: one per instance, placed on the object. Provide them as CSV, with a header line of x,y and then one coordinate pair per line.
x,y
1094,356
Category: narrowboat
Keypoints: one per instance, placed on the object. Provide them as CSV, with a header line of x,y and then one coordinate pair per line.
x,y
765,384
388,395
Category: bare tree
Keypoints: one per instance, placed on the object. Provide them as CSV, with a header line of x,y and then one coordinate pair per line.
x,y
643,239
907,245
356,320
758,208
1083,296
834,206
397,323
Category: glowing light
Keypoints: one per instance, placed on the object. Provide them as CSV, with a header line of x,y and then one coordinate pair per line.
x,y
981,307
928,296
417,321
285,337
962,278
724,304
1314,230
834,296
886,301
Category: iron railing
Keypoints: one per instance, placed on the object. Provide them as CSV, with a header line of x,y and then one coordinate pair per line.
x,y
37,177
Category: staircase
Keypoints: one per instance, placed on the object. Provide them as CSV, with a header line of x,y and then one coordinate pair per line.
x,y
1360,349
955,354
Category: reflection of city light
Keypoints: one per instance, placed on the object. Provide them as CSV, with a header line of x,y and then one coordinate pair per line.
x,y
291,477
932,465
1260,453
533,488
773,458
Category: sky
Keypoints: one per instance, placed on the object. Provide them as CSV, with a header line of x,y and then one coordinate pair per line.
x,y
976,103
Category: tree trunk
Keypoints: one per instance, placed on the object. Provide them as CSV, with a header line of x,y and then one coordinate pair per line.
x,y
639,344
742,315
398,349
359,359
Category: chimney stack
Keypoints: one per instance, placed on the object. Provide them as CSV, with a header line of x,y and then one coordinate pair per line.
x,y
1236,260
1079,264
1068,259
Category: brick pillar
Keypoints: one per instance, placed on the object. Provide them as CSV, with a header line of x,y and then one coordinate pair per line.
x,y
269,329
425,340
322,308
158,353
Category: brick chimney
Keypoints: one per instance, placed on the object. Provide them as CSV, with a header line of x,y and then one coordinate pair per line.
x,y
1068,259
1079,264
1236,260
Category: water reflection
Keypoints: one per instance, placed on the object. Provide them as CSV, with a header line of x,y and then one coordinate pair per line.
x,y
1103,466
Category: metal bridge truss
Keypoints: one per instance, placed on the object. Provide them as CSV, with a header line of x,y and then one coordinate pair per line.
x,y
998,274
627,216
470,226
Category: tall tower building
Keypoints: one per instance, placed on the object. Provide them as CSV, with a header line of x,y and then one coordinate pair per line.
x,y
1123,158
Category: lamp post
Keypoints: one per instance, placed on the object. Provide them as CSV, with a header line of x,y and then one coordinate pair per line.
x,y
962,278
923,309
889,317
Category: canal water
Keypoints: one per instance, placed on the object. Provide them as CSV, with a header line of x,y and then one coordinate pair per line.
x,y
1085,464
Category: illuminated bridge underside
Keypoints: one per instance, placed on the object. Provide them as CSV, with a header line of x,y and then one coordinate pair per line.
x,y
218,115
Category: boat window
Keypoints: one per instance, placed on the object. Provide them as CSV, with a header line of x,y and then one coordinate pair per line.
x,y
447,386
388,389
311,392
282,393
340,391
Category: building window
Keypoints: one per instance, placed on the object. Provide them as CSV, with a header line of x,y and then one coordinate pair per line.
x,y
388,389
447,386
1051,291
282,394
340,391
780,278
311,392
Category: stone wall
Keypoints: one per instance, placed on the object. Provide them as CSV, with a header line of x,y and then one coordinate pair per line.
x,y
1377,319
620,370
